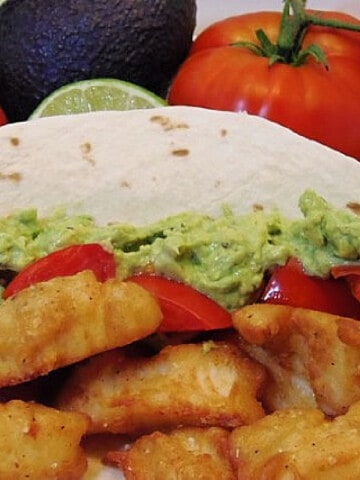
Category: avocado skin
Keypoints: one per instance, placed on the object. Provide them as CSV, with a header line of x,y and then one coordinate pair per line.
x,y
45,44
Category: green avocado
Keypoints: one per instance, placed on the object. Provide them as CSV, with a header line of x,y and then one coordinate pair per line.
x,y
224,257
45,44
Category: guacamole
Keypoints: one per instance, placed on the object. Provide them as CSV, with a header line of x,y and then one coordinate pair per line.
x,y
224,257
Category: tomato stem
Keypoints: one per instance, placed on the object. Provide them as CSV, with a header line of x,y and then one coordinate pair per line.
x,y
292,30
293,27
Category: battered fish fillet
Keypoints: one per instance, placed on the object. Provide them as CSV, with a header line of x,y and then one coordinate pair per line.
x,y
209,384
313,357
64,320
299,444
40,443
184,454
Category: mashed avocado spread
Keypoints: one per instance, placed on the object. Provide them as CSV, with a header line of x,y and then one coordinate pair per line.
x,y
224,257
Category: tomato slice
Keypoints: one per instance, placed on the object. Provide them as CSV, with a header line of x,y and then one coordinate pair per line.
x,y
351,273
183,308
3,118
65,262
290,285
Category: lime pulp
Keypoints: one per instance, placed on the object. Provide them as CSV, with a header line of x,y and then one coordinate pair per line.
x,y
94,95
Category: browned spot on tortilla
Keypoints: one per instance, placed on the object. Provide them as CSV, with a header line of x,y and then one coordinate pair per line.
x,y
354,206
86,147
86,152
125,184
15,141
223,132
258,207
181,152
217,183
167,123
13,177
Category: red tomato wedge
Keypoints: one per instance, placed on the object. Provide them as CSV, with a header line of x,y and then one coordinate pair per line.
x,y
351,273
184,308
65,262
290,285
3,118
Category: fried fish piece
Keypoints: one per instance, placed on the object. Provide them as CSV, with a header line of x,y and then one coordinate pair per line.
x,y
62,321
184,454
313,357
299,444
40,443
207,384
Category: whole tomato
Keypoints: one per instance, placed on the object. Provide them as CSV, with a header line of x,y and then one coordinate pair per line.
x,y
310,83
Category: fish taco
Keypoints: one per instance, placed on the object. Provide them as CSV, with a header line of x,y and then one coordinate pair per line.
x,y
206,212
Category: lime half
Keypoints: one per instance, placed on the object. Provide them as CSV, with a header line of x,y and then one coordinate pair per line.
x,y
96,94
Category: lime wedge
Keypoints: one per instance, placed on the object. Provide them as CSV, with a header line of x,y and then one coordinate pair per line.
x,y
96,94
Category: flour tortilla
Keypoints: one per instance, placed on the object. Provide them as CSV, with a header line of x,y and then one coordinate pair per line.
x,y
139,166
